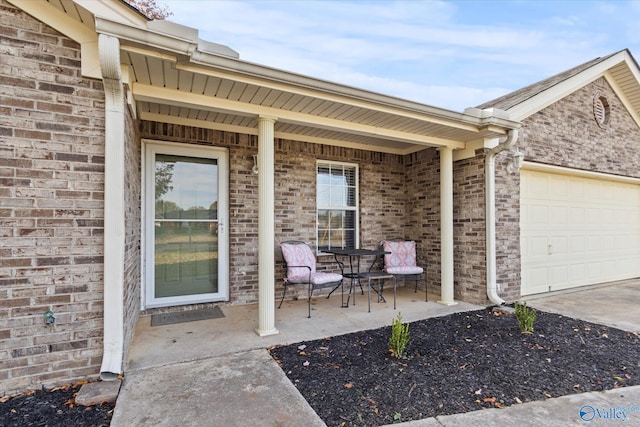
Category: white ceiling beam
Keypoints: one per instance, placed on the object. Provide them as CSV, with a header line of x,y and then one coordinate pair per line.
x,y
164,118
189,100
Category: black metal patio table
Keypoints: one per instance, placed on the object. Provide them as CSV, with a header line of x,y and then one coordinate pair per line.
x,y
354,273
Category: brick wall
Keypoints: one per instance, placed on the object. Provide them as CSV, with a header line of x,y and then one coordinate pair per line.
x,y
563,134
51,207
382,197
422,171
566,134
133,228
469,237
507,228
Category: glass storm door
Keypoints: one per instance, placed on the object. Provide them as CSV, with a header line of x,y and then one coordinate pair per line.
x,y
186,238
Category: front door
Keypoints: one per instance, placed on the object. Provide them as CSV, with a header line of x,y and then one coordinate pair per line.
x,y
186,236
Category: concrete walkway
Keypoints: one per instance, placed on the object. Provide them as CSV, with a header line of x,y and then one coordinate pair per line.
x,y
218,372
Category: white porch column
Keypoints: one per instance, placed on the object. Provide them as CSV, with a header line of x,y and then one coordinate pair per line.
x,y
446,226
266,228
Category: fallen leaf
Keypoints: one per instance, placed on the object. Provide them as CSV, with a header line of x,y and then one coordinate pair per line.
x,y
302,353
548,395
489,399
618,378
4,399
62,387
348,385
69,403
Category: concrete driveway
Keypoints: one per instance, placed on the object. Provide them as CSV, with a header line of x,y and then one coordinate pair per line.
x,y
615,304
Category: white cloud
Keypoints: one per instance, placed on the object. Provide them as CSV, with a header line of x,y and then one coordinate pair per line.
x,y
418,49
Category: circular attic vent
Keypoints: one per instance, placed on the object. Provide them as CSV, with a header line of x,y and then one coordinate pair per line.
x,y
601,110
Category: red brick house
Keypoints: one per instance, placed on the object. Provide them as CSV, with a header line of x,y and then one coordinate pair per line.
x,y
143,169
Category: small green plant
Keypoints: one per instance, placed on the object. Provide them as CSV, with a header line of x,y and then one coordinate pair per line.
x,y
526,317
399,337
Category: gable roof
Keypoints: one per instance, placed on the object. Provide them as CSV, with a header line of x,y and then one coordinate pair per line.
x,y
619,68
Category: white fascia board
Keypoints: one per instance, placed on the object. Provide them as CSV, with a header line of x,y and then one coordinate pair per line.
x,y
560,170
146,37
564,88
163,118
189,100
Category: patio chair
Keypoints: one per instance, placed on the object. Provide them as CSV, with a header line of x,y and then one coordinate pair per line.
x,y
299,263
402,261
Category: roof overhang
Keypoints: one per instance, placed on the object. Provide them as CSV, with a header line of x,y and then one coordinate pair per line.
x,y
175,77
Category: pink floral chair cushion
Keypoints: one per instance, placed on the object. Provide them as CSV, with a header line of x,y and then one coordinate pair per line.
x,y
301,265
402,259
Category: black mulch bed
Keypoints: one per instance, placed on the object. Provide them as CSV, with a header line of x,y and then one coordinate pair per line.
x,y
53,408
457,363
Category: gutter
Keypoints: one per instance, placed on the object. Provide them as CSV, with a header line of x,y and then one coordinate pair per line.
x,y
192,51
490,206
114,220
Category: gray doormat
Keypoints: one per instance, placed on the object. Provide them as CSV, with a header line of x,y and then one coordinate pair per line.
x,y
186,316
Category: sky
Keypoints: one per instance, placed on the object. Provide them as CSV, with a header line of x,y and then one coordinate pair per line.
x,y
448,54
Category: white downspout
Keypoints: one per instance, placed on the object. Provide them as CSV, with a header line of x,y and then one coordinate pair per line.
x,y
114,221
490,206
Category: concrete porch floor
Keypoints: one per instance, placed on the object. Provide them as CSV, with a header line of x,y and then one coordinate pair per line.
x,y
181,342
217,372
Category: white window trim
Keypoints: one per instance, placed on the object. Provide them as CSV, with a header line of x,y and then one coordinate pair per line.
x,y
355,208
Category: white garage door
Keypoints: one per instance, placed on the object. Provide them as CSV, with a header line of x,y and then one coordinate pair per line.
x,y
577,230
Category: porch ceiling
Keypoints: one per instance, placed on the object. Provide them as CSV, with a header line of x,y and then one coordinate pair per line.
x,y
176,77
167,90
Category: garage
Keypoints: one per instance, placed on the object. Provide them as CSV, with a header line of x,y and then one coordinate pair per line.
x,y
577,228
